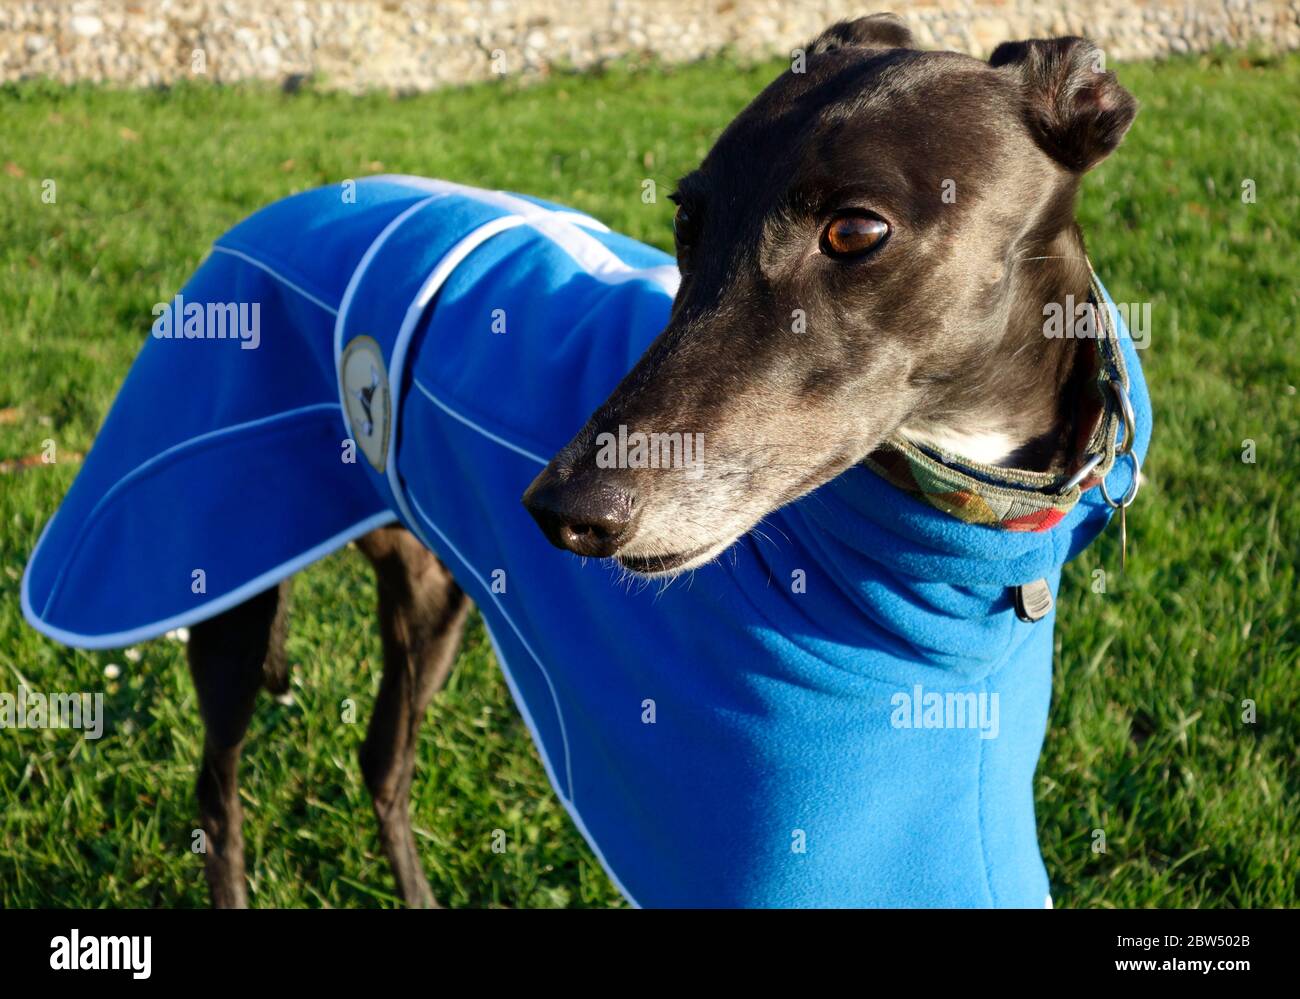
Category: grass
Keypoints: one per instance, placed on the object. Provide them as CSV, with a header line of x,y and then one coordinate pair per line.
x,y
1147,746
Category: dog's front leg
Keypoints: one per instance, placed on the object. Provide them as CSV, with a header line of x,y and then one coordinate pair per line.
x,y
421,616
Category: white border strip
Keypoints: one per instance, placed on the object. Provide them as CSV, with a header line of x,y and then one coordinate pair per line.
x,y
218,248
592,256
474,426
204,611
522,707
148,463
346,304
555,700
397,364
563,227
511,203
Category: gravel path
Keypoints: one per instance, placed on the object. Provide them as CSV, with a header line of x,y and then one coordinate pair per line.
x,y
414,45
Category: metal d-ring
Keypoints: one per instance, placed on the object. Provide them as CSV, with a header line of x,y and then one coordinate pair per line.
x,y
1125,450
1131,493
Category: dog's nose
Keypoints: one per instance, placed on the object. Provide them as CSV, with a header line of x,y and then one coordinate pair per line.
x,y
584,515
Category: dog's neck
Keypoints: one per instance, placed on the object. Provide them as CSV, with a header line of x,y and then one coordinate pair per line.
x,y
1017,407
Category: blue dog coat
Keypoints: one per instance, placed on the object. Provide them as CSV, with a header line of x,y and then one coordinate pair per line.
x,y
847,715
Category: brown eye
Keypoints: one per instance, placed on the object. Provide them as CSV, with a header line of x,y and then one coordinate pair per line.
x,y
853,235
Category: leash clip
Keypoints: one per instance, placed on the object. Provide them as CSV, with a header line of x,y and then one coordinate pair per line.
x,y
1125,450
1082,473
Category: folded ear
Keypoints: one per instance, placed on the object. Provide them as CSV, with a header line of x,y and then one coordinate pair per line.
x,y
879,31
1077,111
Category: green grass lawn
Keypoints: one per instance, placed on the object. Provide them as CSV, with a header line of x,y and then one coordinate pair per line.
x,y
1147,741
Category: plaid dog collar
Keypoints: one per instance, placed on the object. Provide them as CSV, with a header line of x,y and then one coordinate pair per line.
x,y
1013,499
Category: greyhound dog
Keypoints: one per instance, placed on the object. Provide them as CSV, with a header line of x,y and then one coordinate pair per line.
x,y
893,456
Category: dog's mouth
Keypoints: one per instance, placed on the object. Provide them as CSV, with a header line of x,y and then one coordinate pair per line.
x,y
660,565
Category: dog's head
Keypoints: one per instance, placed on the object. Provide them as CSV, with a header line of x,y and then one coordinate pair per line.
x,y
852,256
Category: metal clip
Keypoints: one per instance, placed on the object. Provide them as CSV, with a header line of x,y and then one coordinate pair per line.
x,y
1125,450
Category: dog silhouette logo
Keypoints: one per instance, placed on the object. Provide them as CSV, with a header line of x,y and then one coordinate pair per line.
x,y
366,398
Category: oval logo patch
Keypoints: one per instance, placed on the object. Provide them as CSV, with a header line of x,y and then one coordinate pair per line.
x,y
366,396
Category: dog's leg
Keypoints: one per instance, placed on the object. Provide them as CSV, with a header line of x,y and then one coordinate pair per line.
x,y
231,656
421,616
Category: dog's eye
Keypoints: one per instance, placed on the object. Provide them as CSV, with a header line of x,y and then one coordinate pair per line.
x,y
683,225
853,234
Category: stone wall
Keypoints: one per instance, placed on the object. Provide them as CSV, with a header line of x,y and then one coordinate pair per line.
x,y
423,44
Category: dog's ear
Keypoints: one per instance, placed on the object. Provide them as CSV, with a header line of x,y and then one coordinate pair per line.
x,y
1077,110
879,31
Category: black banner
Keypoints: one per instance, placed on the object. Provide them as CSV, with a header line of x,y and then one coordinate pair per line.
x,y
140,948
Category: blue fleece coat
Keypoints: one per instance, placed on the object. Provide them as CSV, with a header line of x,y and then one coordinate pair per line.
x,y
849,714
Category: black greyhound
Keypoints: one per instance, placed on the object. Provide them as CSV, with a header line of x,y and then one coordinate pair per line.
x,y
890,194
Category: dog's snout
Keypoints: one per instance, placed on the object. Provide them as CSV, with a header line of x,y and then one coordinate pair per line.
x,y
584,515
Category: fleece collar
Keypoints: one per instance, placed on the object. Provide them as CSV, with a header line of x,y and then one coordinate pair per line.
x,y
1015,499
